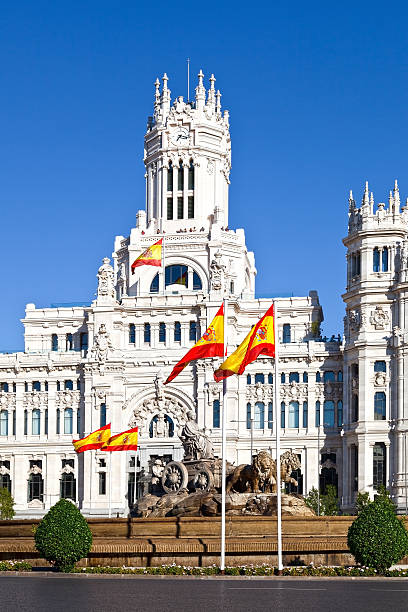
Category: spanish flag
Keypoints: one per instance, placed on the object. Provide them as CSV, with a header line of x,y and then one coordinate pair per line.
x,y
211,344
94,440
150,257
127,440
259,341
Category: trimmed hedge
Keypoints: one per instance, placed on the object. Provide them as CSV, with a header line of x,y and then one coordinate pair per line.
x,y
377,538
63,536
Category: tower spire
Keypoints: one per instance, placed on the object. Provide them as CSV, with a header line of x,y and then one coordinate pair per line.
x,y
165,96
200,92
218,102
397,201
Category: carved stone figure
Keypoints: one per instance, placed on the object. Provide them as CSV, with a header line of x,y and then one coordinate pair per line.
x,y
157,471
261,475
158,383
255,477
106,282
217,269
354,320
102,344
160,427
379,318
196,444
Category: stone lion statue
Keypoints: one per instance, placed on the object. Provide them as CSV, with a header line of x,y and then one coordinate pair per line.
x,y
261,475
254,478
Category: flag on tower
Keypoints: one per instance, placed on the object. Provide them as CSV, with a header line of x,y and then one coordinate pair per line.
x,y
211,344
259,341
124,441
94,440
152,256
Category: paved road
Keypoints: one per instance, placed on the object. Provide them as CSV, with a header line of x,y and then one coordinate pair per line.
x,y
99,594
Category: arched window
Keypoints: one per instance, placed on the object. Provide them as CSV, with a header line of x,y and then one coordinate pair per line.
x,y
5,482
68,385
68,486
317,414
54,342
328,476
193,331
83,339
132,333
318,377
154,285
283,415
379,465
384,262
248,379
379,406
328,413
146,332
191,175
4,387
305,415
180,207
3,423
339,413
161,426
305,377
339,376
197,284
36,385
170,208
69,342
293,377
259,415
216,413
170,177
162,332
376,260
180,176
283,378
354,408
328,376
36,422
35,487
102,415
249,416
270,378
58,421
68,413
270,415
293,415
177,331
176,275
286,334
259,378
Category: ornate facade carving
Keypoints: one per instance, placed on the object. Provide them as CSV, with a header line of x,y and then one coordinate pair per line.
x,y
102,345
379,318
217,271
106,283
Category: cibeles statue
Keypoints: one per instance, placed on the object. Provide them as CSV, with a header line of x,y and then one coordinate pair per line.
x,y
195,443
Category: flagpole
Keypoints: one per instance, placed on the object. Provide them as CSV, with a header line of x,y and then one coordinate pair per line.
x,y
163,268
224,445
110,484
278,450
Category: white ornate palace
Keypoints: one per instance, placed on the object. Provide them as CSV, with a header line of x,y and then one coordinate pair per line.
x,y
344,402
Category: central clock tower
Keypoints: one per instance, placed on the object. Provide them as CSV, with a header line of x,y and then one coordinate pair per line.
x,y
187,154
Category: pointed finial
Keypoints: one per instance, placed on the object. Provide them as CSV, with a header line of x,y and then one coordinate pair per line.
x,y
371,198
212,81
165,78
157,89
200,78
396,185
218,101
351,194
366,195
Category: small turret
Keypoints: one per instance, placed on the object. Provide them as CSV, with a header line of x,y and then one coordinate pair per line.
x,y
397,202
165,97
200,92
211,95
218,102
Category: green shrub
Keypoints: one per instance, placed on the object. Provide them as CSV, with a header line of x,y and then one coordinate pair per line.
x,y
6,504
377,538
362,501
63,536
328,503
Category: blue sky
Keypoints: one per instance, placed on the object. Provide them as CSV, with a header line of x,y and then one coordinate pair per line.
x,y
318,99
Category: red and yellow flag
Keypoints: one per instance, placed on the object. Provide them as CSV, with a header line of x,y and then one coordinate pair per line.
x,y
152,256
260,340
211,344
94,440
126,440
